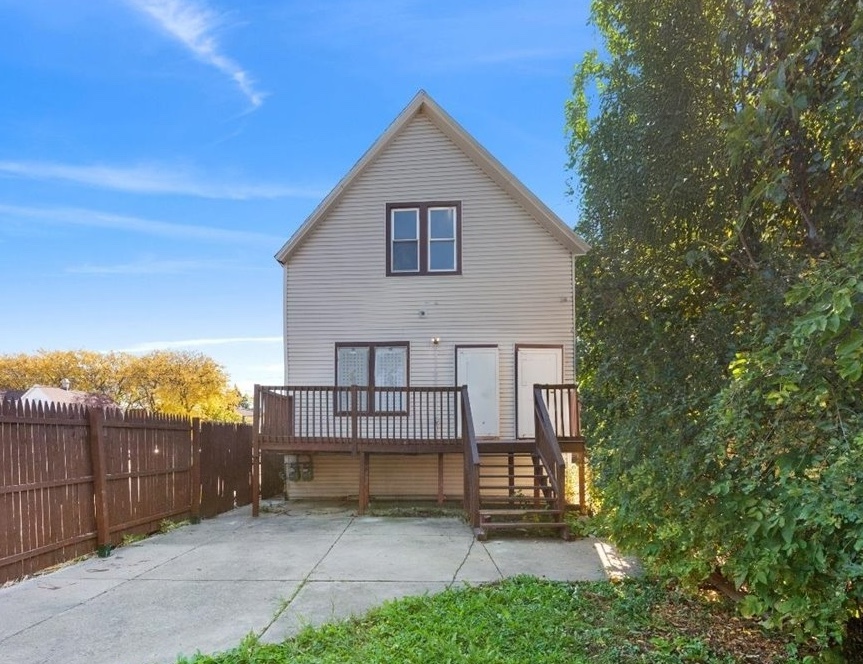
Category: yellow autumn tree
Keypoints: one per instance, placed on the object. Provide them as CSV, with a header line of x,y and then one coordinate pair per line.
x,y
172,382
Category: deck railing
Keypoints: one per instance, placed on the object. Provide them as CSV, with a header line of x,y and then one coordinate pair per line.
x,y
564,410
471,461
549,449
355,416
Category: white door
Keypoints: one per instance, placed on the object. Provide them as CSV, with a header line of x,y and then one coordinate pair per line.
x,y
534,365
478,369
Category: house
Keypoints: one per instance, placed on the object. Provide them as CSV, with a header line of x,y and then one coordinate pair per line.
x,y
428,267
66,396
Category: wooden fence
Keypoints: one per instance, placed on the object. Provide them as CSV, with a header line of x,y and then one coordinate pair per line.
x,y
226,480
75,480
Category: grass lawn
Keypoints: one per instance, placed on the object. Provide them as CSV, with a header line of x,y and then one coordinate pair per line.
x,y
529,620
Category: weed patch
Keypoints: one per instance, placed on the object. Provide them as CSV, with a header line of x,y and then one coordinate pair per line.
x,y
525,619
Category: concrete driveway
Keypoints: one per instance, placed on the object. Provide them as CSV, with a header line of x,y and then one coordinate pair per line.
x,y
204,587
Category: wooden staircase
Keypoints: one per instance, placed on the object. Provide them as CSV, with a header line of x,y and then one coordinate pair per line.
x,y
520,485
516,490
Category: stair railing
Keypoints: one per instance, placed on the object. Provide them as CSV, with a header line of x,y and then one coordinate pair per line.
x,y
471,461
549,449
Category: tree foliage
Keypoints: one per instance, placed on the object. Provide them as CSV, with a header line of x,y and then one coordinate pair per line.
x,y
176,383
721,329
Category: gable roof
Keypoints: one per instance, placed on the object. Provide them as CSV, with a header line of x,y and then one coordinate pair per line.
x,y
70,397
423,103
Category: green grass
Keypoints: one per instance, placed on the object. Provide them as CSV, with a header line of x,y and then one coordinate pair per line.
x,y
528,620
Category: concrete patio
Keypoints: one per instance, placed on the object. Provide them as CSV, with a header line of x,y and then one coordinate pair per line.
x,y
204,587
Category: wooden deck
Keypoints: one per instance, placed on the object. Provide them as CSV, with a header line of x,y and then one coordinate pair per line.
x,y
410,420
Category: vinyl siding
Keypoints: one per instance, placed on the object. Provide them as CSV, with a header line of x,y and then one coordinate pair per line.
x,y
390,476
395,476
515,286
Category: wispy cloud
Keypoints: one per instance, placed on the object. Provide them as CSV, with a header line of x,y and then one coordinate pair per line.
x,y
97,219
151,179
193,24
147,346
151,266
478,34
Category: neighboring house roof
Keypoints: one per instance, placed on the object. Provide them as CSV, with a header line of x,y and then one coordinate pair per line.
x,y
10,395
71,397
423,103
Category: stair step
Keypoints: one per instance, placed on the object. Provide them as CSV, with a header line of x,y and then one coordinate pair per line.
x,y
522,503
506,447
505,456
515,475
514,525
497,512
524,489
523,486
523,498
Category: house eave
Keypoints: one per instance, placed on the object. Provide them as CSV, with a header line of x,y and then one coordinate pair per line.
x,y
423,103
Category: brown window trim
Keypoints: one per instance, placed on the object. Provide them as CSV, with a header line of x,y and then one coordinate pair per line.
x,y
424,238
368,389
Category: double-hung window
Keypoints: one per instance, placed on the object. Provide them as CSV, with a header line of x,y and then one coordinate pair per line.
x,y
423,238
373,368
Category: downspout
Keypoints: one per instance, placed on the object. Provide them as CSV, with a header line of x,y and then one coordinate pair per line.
x,y
288,460
285,321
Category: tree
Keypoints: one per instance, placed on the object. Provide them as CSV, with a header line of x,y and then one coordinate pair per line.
x,y
722,305
177,383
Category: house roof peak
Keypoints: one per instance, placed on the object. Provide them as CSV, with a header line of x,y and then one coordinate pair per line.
x,y
422,102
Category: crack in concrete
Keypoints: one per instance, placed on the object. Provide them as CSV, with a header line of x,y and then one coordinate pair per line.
x,y
463,562
493,561
305,581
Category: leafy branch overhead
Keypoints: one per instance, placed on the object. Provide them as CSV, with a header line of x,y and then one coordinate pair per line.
x,y
720,175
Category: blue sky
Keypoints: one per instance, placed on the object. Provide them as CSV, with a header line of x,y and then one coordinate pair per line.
x,y
155,154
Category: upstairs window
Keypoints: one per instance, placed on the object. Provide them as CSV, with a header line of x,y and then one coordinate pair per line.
x,y
423,238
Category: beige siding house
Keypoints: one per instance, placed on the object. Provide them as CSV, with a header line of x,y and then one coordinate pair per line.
x,y
428,265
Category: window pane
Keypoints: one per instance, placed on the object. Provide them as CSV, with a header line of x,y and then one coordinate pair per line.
x,y
442,223
391,370
391,366
405,224
442,255
352,369
406,256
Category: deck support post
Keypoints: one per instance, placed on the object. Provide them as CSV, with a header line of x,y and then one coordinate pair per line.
x,y
581,481
364,483
355,418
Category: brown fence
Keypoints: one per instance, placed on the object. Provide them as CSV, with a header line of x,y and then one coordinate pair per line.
x,y
226,470
73,480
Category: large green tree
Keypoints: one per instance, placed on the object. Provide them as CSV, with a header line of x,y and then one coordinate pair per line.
x,y
721,326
